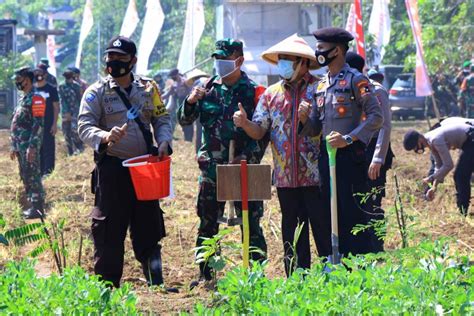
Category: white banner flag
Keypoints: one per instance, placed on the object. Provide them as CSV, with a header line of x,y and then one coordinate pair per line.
x,y
379,27
50,47
154,19
193,29
351,22
423,83
87,22
131,20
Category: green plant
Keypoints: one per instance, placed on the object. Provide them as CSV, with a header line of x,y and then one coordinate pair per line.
x,y
75,292
419,280
39,233
211,251
3,239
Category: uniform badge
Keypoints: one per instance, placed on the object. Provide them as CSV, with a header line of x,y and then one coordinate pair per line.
x,y
90,97
340,99
117,43
342,83
320,85
320,101
341,110
109,109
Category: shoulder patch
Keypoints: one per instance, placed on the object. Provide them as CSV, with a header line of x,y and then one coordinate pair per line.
x,y
90,97
38,106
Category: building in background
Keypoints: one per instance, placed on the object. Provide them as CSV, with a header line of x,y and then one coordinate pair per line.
x,y
7,46
262,23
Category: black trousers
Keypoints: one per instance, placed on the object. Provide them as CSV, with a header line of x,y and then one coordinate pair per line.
x,y
48,152
377,188
303,206
462,176
351,174
115,209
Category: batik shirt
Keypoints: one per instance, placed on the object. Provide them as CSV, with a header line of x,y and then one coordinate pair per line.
x,y
294,157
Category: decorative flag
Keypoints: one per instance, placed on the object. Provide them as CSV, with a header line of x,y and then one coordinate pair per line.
x,y
359,28
131,19
87,22
350,23
379,27
423,84
50,47
154,19
193,29
355,27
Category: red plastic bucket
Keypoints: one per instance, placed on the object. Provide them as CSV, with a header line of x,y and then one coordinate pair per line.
x,y
150,176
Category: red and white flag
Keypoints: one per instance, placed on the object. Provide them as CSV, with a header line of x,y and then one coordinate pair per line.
x,y
423,83
379,27
86,26
355,27
51,47
131,20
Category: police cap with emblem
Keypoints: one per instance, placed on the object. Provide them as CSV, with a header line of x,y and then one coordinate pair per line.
x,y
333,35
121,45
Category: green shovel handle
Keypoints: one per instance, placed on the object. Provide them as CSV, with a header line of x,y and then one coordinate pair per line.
x,y
331,153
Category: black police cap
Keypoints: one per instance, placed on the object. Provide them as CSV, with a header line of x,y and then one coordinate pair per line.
x,y
355,60
410,141
333,35
121,45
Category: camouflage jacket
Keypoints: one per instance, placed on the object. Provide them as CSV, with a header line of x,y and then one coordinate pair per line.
x,y
27,123
70,97
215,112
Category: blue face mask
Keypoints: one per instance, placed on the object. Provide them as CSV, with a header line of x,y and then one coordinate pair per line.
x,y
285,68
224,67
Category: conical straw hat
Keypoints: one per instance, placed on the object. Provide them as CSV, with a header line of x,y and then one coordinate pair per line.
x,y
195,74
293,45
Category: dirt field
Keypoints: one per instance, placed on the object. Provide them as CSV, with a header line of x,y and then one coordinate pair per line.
x,y
68,196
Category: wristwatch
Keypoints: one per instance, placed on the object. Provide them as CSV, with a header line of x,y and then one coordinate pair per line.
x,y
348,139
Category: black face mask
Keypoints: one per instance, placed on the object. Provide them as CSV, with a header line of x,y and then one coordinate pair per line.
x,y
323,58
117,68
19,85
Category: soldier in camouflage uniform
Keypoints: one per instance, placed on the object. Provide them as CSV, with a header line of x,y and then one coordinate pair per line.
x,y
70,99
215,104
26,137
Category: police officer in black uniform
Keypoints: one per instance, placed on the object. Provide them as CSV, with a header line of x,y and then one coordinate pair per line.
x,y
342,96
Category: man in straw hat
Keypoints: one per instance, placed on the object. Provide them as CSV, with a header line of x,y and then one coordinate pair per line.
x,y
342,97
197,78
295,157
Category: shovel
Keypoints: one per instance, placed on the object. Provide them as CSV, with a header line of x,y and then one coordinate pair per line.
x,y
230,219
335,258
132,114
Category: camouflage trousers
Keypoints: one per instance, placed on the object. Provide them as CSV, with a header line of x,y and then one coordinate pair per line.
x,y
73,142
209,210
30,174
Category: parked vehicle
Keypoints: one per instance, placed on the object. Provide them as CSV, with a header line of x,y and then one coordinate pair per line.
x,y
403,100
